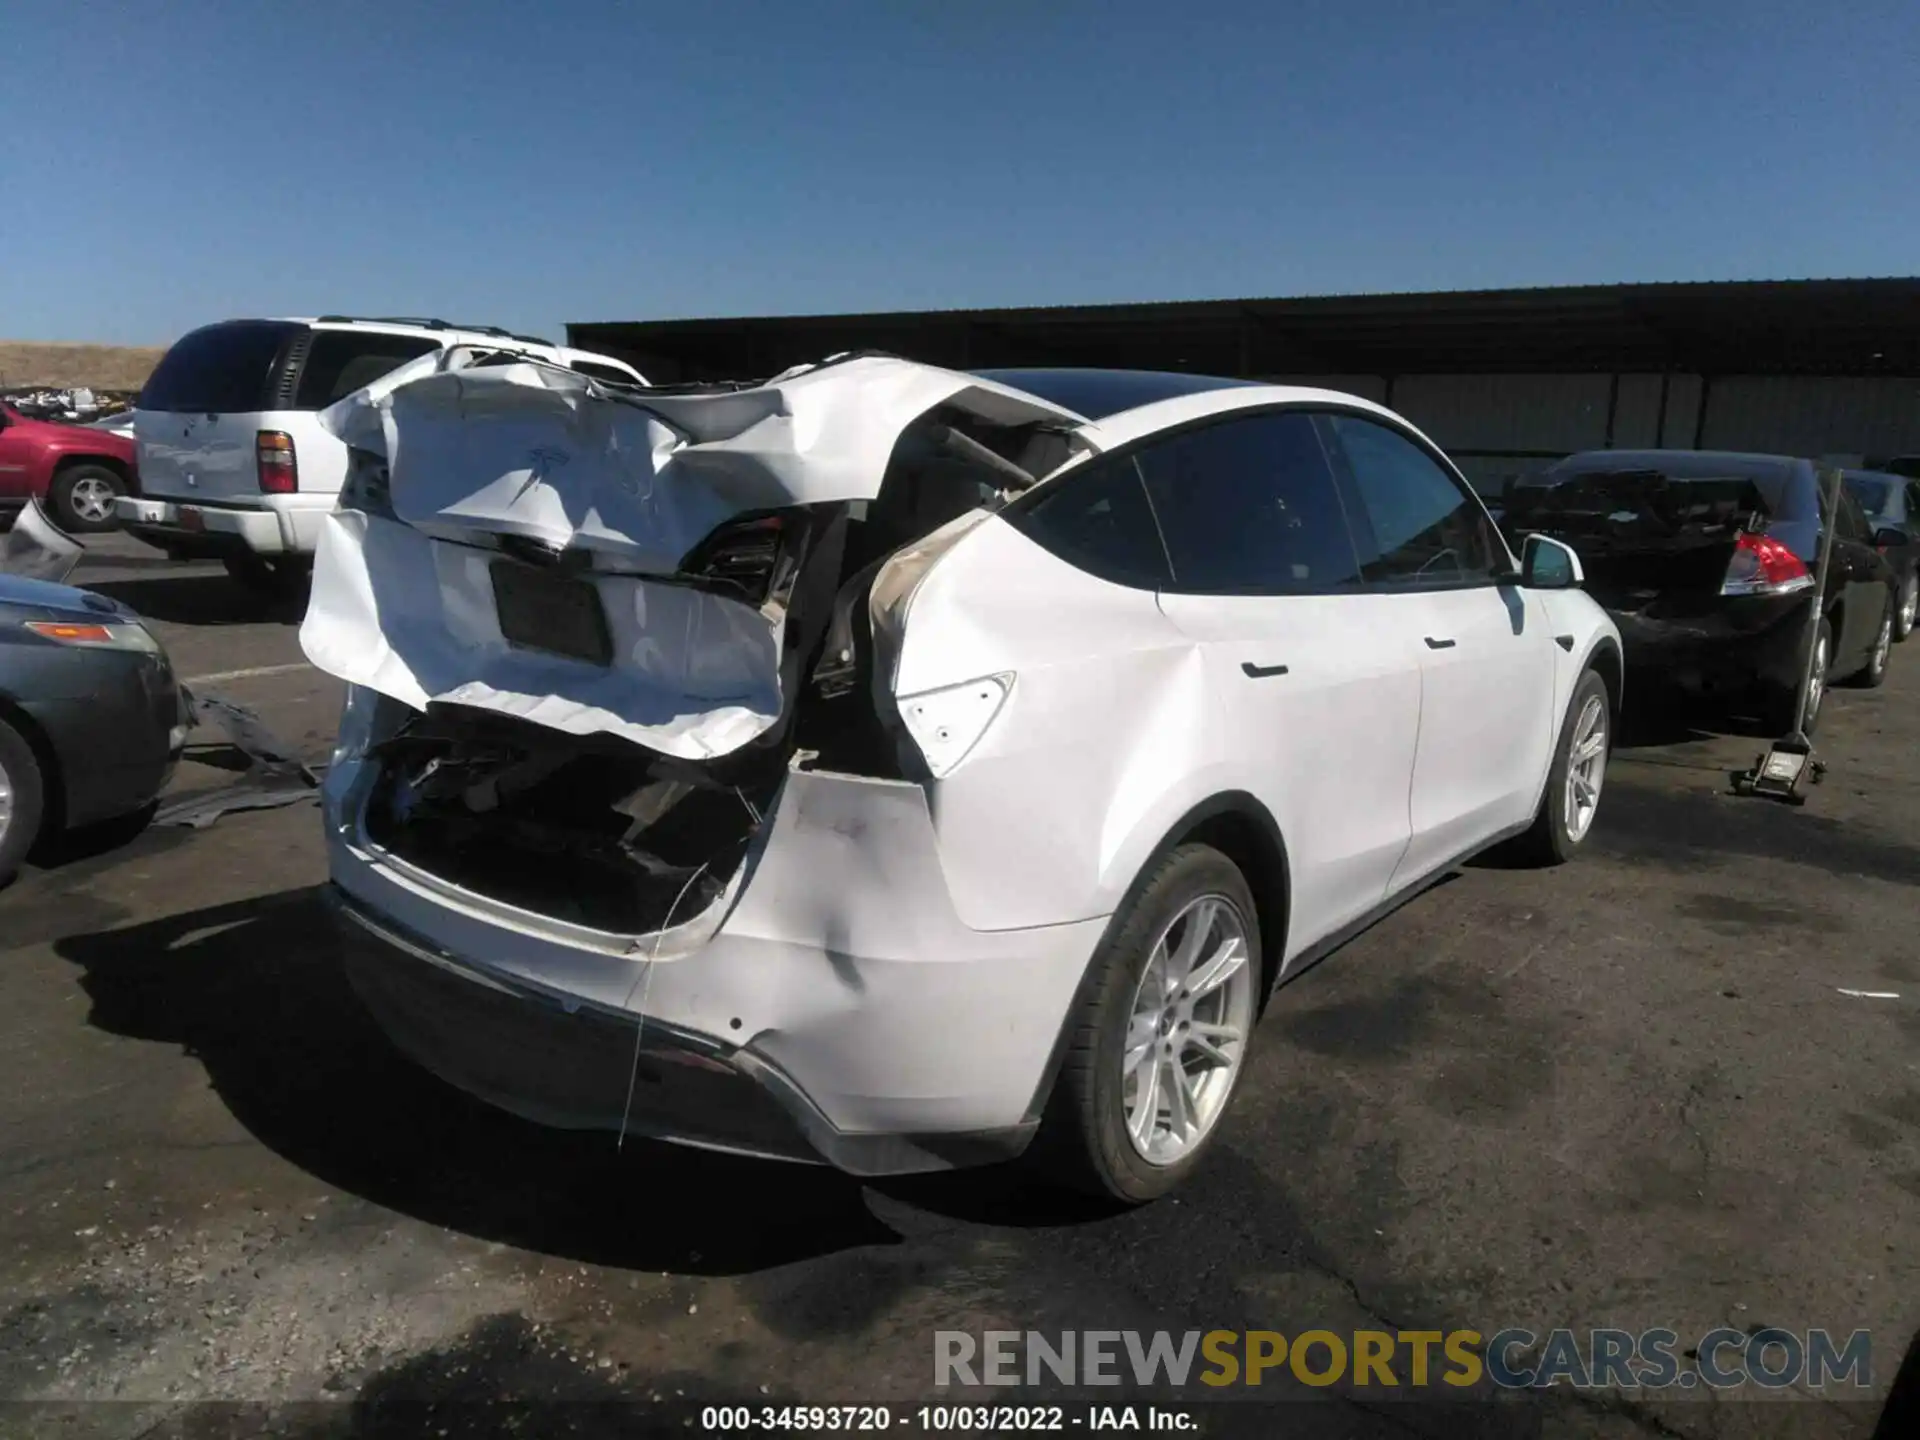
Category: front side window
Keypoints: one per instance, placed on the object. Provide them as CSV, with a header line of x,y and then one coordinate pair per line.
x,y
1426,528
1249,505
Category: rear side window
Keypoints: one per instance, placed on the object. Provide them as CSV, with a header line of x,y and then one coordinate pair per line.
x,y
218,369
603,372
1249,506
1852,522
343,361
1098,519
1427,528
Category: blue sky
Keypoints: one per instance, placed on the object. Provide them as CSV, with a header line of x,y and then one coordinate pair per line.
x,y
527,164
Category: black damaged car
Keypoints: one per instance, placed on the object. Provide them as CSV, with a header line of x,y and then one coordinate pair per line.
x,y
1706,559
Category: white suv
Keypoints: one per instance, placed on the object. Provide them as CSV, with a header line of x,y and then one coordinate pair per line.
x,y
234,465
896,766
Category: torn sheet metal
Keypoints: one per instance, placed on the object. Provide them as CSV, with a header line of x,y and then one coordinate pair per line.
x,y
276,776
640,477
694,675
636,478
36,549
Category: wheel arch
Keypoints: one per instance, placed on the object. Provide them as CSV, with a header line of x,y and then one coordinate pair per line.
x,y
1243,829
53,784
74,458
1606,660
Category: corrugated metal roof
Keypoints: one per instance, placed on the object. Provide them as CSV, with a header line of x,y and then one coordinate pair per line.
x,y
1824,326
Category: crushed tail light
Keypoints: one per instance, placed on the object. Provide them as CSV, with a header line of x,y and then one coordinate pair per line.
x,y
274,458
1762,565
743,557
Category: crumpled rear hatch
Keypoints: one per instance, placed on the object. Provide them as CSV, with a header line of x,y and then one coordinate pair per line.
x,y
600,620
650,564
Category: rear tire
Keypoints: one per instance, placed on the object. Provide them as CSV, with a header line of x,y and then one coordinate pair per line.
x,y
22,800
1875,673
1086,1139
1777,714
83,497
1567,811
281,578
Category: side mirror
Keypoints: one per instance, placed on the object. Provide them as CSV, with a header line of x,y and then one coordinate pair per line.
x,y
1548,564
1888,538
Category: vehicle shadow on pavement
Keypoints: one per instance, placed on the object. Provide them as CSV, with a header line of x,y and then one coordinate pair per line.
x,y
254,991
202,600
1644,825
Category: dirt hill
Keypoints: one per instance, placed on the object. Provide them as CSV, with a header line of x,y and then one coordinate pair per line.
x,y
103,367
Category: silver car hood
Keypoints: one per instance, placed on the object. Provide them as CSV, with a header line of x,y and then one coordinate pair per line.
x,y
635,479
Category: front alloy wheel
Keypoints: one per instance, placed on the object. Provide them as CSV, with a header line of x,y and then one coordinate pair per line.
x,y
1909,608
1586,767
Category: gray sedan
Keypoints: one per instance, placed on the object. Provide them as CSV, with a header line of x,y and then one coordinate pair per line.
x,y
91,718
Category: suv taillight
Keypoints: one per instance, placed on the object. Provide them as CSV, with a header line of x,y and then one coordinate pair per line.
x,y
1762,565
279,471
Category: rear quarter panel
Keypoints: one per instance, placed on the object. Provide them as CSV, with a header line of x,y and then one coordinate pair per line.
x,y
1100,741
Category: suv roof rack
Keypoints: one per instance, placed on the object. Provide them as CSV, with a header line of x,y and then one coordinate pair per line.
x,y
427,322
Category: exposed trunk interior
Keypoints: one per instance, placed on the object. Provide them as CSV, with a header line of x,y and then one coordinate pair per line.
x,y
601,832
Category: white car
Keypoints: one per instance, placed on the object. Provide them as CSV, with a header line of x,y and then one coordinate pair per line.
x,y
235,466
892,766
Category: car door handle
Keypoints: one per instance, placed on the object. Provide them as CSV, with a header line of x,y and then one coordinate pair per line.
x,y
1433,644
1260,672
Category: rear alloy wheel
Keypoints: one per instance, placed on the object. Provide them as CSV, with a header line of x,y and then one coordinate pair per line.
x,y
1779,717
1159,1043
1908,609
21,800
1574,780
1875,675
83,497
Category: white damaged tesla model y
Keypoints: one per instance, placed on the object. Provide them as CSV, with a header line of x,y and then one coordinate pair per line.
x,y
905,768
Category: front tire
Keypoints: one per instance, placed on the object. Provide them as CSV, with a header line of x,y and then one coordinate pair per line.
x,y
1159,1042
1907,609
83,497
22,800
1574,780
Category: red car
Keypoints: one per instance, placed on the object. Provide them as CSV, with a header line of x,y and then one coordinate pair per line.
x,y
74,470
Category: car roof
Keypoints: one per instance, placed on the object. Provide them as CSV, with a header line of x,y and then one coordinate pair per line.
x,y
1166,399
1097,394
1679,462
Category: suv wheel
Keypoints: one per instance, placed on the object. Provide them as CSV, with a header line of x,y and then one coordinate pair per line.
x,y
83,497
1159,1042
1574,779
21,800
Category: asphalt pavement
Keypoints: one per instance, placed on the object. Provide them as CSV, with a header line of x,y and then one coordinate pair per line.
x,y
1631,1092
